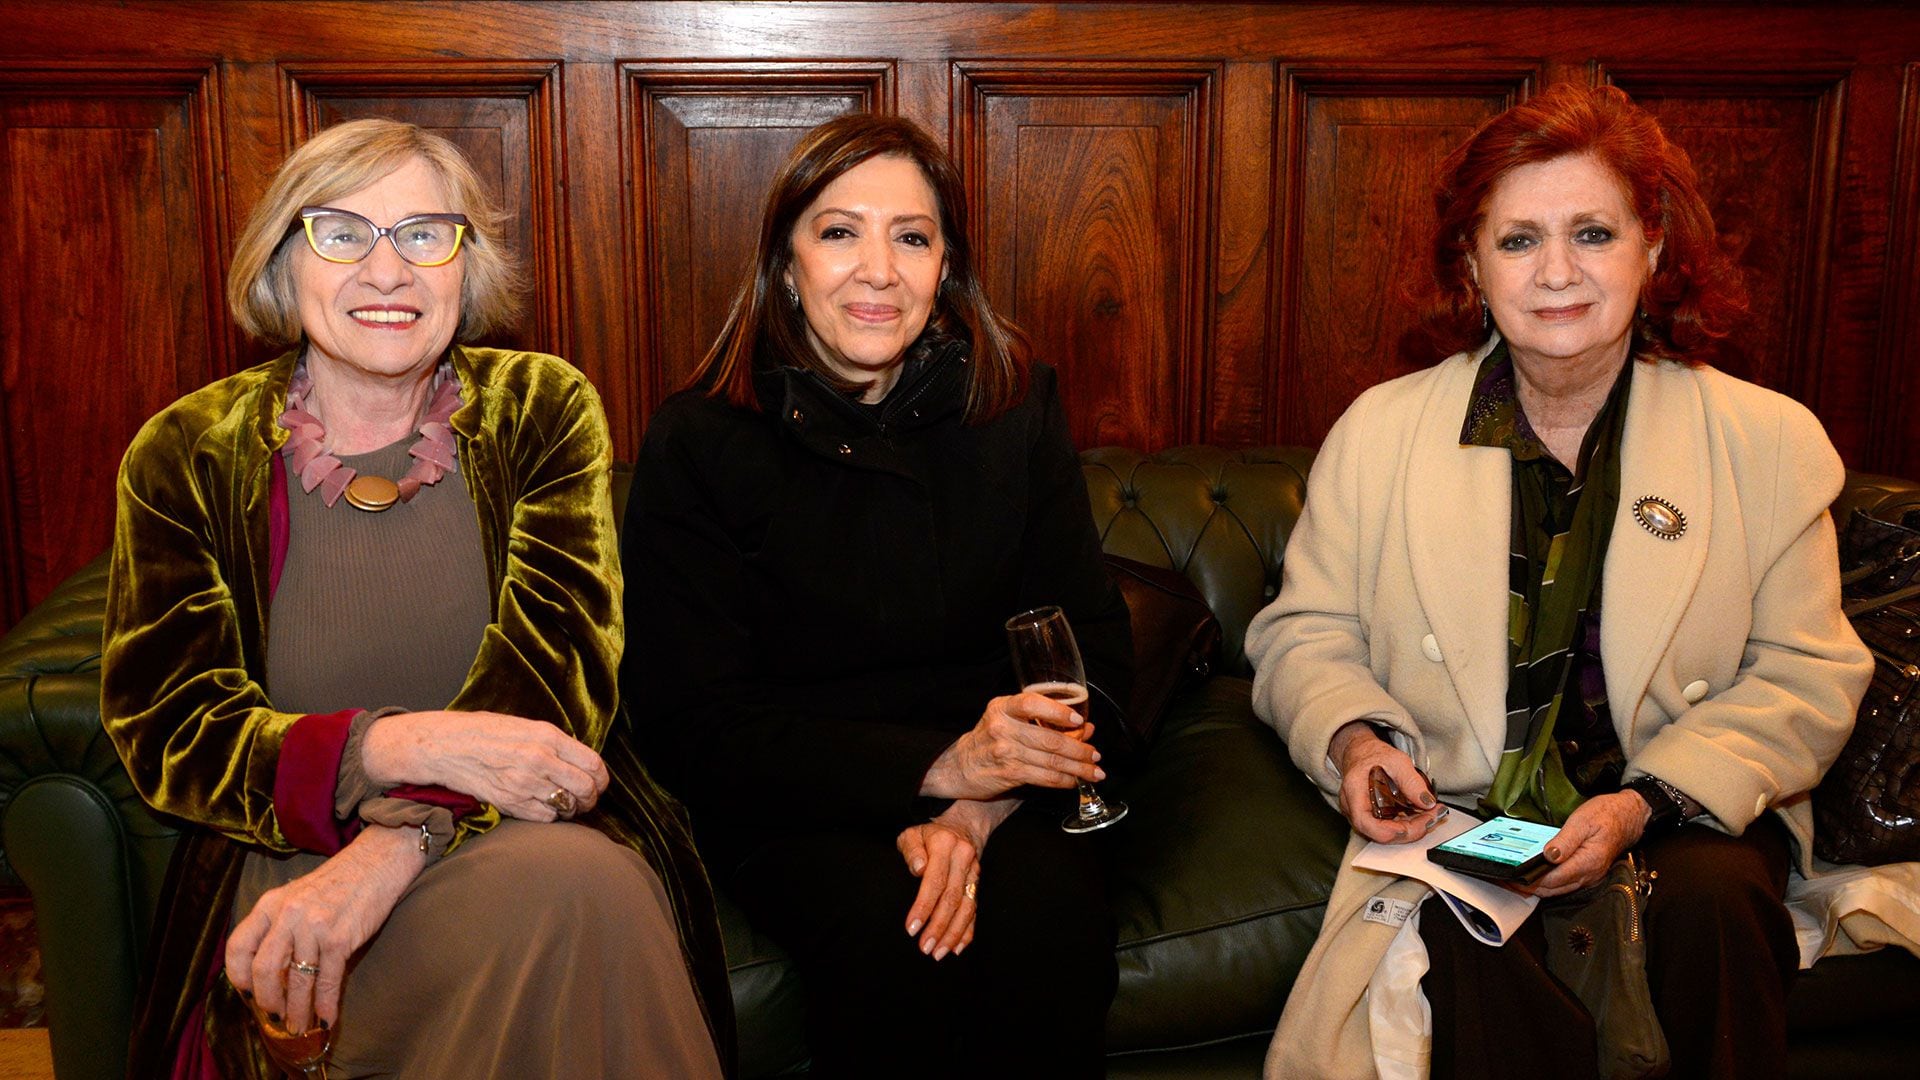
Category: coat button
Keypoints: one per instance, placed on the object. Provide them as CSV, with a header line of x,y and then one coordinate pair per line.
x,y
1431,647
844,449
1694,691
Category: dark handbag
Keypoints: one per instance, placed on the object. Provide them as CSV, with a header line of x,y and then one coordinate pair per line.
x,y
1597,946
1176,642
1867,809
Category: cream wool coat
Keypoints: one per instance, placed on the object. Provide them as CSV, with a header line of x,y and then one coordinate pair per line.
x,y
1730,670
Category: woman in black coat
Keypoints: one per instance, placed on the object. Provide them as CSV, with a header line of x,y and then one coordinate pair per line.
x,y
827,534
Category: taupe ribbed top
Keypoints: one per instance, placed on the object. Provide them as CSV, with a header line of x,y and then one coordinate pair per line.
x,y
377,609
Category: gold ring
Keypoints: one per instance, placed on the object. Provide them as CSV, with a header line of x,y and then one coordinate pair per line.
x,y
303,967
562,802
972,891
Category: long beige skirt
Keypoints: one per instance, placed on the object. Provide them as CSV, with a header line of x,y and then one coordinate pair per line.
x,y
531,951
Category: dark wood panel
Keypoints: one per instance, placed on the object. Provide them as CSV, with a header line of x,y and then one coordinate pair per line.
x,y
1091,185
1362,147
1219,260
704,142
1766,145
1241,409
109,274
1897,423
502,116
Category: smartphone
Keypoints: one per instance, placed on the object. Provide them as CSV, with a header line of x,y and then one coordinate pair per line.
x,y
1504,849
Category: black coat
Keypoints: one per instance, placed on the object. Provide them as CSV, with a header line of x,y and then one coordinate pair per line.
x,y
817,593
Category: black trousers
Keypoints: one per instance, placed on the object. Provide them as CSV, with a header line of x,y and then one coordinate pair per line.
x,y
1029,997
1720,957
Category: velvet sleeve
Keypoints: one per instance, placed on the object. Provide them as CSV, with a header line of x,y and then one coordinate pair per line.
x,y
552,651
1062,562
719,734
178,696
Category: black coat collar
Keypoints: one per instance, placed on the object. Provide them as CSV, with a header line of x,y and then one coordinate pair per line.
x,y
932,389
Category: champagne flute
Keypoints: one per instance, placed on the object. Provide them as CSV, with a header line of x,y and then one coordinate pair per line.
x,y
1047,662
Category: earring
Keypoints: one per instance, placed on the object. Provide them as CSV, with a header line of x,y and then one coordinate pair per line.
x,y
793,297
1486,316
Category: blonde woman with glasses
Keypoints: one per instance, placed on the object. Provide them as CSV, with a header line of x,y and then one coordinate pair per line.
x,y
362,636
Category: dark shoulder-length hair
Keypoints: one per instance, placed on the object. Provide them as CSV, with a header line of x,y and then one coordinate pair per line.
x,y
1694,296
761,326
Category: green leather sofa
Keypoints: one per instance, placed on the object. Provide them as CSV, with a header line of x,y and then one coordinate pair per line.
x,y
1219,876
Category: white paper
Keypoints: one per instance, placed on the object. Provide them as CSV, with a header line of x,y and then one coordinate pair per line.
x,y
1490,912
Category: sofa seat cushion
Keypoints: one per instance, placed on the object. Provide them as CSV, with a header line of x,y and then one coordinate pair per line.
x,y
1219,877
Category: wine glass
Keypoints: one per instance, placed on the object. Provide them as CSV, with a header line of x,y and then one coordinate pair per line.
x,y
302,1056
1047,662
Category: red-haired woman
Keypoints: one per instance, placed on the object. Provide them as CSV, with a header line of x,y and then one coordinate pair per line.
x,y
1579,577
827,535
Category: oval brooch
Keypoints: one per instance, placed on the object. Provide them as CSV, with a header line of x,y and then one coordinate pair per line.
x,y
1660,517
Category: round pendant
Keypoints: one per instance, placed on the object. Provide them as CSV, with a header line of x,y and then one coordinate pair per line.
x,y
372,493
1657,516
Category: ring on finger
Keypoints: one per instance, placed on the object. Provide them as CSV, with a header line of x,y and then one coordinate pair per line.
x,y
562,802
973,890
303,967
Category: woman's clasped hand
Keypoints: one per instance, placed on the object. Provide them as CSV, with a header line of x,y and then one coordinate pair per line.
x,y
519,766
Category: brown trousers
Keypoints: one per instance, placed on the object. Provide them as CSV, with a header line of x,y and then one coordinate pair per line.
x,y
1720,957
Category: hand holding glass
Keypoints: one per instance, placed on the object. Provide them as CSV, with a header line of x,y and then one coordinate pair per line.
x,y
304,1055
1047,662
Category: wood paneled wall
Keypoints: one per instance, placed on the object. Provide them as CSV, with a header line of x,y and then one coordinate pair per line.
x,y
1205,215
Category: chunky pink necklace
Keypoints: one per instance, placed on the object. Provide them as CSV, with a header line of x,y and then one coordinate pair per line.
x,y
316,466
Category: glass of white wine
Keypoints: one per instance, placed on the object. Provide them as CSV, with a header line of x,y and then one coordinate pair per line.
x,y
302,1056
1047,662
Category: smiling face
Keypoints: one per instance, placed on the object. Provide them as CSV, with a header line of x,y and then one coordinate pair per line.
x,y
868,258
1561,260
381,316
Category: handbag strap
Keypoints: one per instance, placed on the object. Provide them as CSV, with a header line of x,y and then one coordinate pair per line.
x,y
1907,552
1875,603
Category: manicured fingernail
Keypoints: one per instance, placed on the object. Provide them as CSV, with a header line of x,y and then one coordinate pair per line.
x,y
1099,774
926,947
1426,799
1553,854
940,953
1096,755
919,865
913,927
960,948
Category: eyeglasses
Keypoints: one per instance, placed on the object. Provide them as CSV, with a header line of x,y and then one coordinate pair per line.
x,y
342,236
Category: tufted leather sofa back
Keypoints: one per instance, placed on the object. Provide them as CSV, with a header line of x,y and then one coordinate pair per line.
x,y
1221,517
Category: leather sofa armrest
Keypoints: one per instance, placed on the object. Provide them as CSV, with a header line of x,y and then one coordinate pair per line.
x,y
73,829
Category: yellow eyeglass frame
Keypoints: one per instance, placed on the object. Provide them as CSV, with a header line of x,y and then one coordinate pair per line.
x,y
458,221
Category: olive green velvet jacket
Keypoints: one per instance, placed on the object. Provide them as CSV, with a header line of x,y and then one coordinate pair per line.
x,y
186,644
